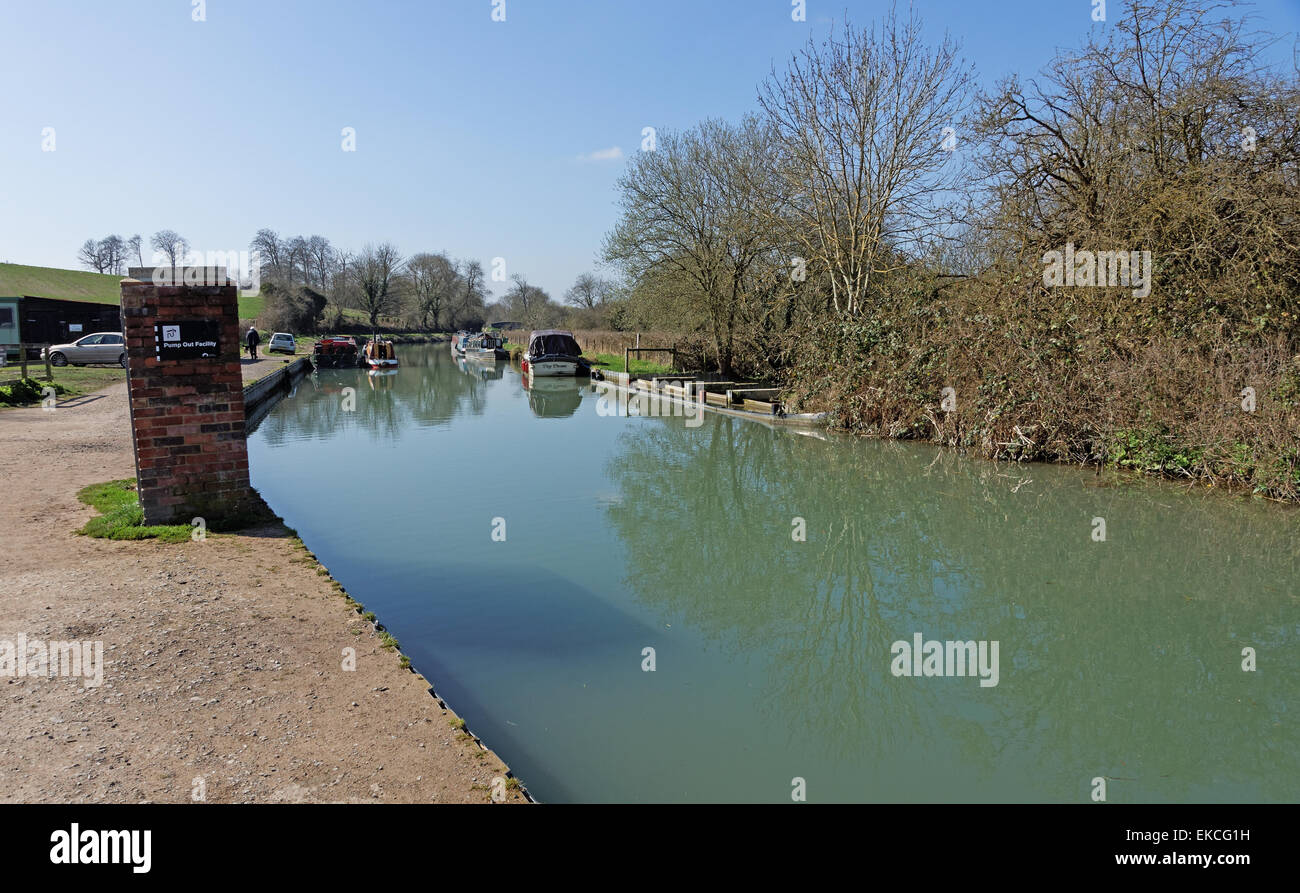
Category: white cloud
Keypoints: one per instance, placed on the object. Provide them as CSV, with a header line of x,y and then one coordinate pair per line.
x,y
613,153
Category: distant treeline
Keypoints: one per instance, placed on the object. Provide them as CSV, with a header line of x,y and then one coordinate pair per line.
x,y
427,292
1098,264
308,285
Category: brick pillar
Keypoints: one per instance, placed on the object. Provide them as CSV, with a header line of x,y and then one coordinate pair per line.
x,y
187,410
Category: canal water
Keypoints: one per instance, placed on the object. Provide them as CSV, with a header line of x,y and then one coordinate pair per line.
x,y
1118,658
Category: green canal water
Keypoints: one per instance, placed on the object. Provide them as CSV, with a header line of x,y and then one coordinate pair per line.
x,y
1119,659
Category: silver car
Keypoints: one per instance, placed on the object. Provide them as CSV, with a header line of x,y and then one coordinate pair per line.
x,y
101,347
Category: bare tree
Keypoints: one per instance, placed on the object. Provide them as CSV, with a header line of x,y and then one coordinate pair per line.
x,y
860,123
113,251
135,246
270,250
469,306
377,270
171,244
298,257
588,291
90,257
342,291
321,255
434,283
530,304
693,214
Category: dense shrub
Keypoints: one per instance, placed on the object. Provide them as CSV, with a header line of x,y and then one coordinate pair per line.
x,y
292,308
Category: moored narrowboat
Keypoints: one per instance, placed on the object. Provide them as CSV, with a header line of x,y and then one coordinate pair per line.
x,y
335,352
553,352
486,345
379,355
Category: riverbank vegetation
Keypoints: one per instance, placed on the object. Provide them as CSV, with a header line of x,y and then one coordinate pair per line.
x,y
1100,264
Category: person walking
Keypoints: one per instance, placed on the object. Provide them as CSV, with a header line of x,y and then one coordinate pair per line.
x,y
253,339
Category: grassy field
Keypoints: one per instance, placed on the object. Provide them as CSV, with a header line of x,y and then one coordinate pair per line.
x,y
17,280
86,379
252,307
46,282
69,381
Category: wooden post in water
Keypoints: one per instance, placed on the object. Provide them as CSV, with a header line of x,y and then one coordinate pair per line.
x,y
627,363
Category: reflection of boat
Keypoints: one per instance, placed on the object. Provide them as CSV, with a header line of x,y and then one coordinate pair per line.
x,y
554,397
485,344
485,367
330,381
379,355
381,379
335,352
553,352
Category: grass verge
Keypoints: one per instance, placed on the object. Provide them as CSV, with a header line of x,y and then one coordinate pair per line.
x,y
121,517
614,363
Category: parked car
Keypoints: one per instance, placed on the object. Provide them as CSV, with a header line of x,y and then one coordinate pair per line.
x,y
281,341
100,347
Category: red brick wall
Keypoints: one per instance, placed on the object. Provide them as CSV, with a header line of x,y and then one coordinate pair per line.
x,y
187,416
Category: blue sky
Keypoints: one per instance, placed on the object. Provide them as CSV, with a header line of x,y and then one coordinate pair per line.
x,y
473,137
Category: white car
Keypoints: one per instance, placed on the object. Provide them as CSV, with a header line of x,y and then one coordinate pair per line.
x,y
281,341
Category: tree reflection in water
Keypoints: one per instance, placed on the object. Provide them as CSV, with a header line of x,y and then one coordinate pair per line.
x,y
1119,658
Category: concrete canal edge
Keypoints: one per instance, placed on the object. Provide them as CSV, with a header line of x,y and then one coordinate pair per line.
x,y
721,397
392,644
263,394
259,398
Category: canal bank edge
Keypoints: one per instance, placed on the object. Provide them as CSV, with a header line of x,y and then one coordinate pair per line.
x,y
260,398
681,390
263,394
391,644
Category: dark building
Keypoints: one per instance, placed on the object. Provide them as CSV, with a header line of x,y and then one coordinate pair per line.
x,y
48,320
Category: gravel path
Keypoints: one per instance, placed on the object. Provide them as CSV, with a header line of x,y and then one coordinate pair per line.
x,y
222,659
264,365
